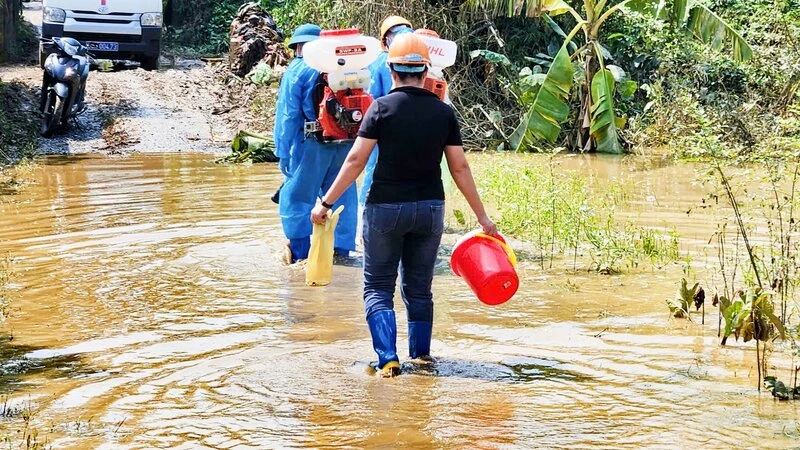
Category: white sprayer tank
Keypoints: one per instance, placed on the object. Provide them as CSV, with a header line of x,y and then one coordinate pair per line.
x,y
442,52
341,51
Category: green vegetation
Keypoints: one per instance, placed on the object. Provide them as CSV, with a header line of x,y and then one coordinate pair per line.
x,y
757,272
21,432
202,27
680,306
250,147
705,104
18,127
674,86
691,78
557,211
5,279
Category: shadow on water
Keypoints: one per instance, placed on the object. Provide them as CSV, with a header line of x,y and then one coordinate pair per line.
x,y
9,188
512,370
65,160
15,367
12,186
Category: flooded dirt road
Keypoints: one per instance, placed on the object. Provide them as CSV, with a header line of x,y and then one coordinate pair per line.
x,y
150,310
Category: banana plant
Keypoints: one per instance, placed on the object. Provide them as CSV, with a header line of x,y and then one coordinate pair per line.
x,y
597,121
598,124
700,21
550,108
715,32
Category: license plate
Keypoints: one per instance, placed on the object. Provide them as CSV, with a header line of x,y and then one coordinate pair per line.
x,y
103,46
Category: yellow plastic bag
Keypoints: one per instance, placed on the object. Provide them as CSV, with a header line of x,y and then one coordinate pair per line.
x,y
319,267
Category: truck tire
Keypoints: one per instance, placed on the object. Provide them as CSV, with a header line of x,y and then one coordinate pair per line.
x,y
150,62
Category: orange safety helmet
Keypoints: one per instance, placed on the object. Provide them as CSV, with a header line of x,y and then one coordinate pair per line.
x,y
391,22
409,50
427,32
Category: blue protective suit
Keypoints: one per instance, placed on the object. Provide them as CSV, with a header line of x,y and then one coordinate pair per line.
x,y
289,120
312,167
380,85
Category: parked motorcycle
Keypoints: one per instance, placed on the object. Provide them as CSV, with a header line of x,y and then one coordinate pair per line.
x,y
66,70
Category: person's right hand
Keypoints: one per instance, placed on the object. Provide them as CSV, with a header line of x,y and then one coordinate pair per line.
x,y
488,226
283,164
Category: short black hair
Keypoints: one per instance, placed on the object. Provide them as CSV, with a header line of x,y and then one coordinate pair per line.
x,y
406,76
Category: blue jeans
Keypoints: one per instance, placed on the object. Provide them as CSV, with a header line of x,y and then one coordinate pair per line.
x,y
408,235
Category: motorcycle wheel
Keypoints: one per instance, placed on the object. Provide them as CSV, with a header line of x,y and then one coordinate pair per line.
x,y
53,112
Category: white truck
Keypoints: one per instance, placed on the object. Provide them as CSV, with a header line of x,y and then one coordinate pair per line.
x,y
112,29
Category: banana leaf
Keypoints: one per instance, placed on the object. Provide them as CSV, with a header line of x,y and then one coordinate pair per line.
x,y
713,31
492,57
557,29
550,109
247,146
604,121
679,8
261,74
764,307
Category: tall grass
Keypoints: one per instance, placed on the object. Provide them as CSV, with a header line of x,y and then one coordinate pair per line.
x,y
555,210
5,279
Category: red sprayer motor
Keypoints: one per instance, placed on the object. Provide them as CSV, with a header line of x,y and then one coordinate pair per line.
x,y
443,55
342,56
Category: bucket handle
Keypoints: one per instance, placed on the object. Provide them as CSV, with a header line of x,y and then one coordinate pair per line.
x,y
511,255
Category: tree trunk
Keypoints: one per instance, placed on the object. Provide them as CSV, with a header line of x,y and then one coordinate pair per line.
x,y
179,13
9,20
173,16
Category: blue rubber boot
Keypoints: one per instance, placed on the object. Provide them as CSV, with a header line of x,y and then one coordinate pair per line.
x,y
383,327
419,340
300,248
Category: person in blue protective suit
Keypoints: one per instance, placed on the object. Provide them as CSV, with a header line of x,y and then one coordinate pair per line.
x,y
381,84
288,123
404,214
310,166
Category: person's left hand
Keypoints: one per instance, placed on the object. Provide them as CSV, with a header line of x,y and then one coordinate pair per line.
x,y
319,214
283,165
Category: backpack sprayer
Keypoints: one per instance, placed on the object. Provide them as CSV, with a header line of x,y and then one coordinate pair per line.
x,y
342,57
443,55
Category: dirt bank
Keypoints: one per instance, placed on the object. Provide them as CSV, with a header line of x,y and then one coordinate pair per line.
x,y
188,109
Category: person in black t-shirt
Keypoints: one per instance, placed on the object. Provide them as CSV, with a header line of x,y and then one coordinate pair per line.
x,y
404,213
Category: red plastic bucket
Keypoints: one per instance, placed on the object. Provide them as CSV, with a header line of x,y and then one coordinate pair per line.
x,y
487,264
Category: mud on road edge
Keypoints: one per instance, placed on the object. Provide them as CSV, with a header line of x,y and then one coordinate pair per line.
x,y
18,127
195,108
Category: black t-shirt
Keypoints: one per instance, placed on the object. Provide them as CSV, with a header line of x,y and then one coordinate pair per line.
x,y
412,127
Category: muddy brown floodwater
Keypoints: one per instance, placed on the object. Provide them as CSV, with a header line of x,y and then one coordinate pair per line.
x,y
150,310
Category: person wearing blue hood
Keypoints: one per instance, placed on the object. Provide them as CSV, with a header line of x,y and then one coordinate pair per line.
x,y
381,84
309,166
